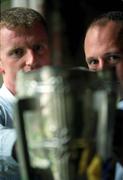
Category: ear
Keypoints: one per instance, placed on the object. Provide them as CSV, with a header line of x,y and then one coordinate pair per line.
x,y
1,68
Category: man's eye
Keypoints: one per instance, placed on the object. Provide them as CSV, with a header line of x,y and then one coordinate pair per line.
x,y
17,52
114,59
93,61
39,48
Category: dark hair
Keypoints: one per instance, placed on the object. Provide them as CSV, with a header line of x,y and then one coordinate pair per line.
x,y
20,17
113,15
116,16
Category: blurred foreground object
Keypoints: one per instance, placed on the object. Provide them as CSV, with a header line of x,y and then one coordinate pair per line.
x,y
65,122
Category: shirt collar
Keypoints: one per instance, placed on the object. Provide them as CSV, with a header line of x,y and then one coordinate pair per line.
x,y
10,98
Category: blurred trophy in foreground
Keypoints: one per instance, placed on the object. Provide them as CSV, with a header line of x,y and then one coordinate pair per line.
x,y
64,121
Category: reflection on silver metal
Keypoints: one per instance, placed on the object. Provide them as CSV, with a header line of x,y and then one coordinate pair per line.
x,y
65,118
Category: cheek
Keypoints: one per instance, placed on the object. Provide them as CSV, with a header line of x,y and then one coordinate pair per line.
x,y
10,68
45,59
119,69
12,72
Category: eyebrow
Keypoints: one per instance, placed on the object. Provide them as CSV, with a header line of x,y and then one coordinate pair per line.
x,y
13,49
111,53
106,54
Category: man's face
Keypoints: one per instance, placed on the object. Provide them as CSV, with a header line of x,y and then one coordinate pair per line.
x,y
22,49
104,49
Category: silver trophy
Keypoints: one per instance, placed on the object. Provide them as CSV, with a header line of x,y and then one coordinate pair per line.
x,y
64,120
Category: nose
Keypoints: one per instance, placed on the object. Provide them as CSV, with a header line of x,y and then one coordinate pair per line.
x,y
30,58
102,64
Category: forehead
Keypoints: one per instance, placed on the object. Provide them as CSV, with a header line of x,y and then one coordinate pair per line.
x,y
36,32
36,28
110,31
103,37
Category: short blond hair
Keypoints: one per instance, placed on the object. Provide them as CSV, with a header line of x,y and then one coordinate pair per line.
x,y
20,17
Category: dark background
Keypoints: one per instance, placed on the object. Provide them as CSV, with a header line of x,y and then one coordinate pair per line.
x,y
75,17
